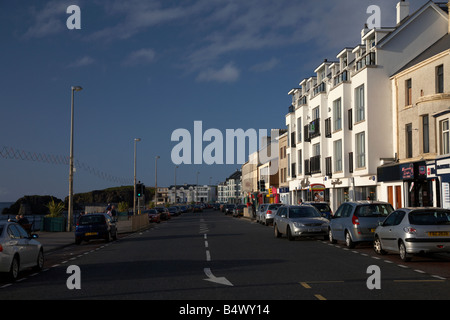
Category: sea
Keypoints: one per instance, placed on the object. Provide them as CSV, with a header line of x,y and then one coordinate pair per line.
x,y
5,205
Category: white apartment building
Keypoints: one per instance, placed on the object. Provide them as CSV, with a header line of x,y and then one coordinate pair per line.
x,y
230,191
341,126
192,193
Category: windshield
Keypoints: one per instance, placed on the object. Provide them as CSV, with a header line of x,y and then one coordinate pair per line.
x,y
303,212
434,217
373,210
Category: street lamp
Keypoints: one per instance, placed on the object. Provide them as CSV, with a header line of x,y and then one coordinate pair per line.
x,y
134,197
156,180
70,209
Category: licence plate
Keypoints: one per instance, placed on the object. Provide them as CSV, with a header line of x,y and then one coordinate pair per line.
x,y
314,229
438,234
372,230
90,233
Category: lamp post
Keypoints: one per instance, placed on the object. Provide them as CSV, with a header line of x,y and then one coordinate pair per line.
x,y
70,209
156,180
134,194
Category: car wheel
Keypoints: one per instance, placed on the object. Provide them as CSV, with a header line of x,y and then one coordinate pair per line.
x,y
348,240
289,234
276,232
330,236
403,254
377,246
14,269
40,261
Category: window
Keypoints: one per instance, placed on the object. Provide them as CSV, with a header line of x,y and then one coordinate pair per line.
x,y
337,114
316,149
299,131
440,79
408,92
408,139
360,150
425,134
445,137
338,156
359,104
300,162
315,113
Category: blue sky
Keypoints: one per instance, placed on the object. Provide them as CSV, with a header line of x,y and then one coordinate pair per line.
x,y
148,68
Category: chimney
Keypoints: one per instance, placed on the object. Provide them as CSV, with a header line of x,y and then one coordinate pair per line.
x,y
402,10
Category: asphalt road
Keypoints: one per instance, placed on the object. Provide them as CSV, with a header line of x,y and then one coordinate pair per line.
x,y
210,256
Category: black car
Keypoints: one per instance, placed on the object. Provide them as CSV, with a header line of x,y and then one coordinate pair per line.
x,y
95,226
229,208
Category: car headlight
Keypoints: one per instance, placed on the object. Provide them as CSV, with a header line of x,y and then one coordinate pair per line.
x,y
298,224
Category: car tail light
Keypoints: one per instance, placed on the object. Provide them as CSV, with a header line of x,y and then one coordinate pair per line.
x,y
269,211
1,248
355,220
409,230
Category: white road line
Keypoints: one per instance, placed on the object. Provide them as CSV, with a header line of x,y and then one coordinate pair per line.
x,y
208,256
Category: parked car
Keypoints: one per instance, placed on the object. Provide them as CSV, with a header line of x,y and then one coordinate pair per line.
x,y
323,208
410,231
299,221
197,208
229,208
239,210
19,250
259,212
173,211
153,215
356,221
164,213
269,213
95,226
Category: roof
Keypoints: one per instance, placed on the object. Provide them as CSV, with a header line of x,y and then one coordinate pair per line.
x,y
439,46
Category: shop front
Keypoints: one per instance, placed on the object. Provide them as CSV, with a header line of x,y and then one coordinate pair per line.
x,y
411,179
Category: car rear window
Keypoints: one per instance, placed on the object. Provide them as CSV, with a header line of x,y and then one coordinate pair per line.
x,y
92,219
429,217
373,210
274,206
303,212
322,207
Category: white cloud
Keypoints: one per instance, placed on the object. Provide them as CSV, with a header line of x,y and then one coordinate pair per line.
x,y
229,73
266,65
82,62
47,21
142,56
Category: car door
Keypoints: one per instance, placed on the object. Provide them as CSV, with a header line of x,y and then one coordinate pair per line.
x,y
389,231
336,223
18,245
30,247
281,219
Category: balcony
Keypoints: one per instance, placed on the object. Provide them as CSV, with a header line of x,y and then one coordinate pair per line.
x,y
320,88
341,77
367,60
291,109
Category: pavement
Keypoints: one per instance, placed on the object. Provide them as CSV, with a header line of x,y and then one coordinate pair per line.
x,y
55,240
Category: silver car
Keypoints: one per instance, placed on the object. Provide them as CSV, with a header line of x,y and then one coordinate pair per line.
x,y
269,213
19,250
356,221
259,212
410,231
299,221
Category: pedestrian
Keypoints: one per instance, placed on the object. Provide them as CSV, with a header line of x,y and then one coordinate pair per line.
x,y
108,211
113,211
